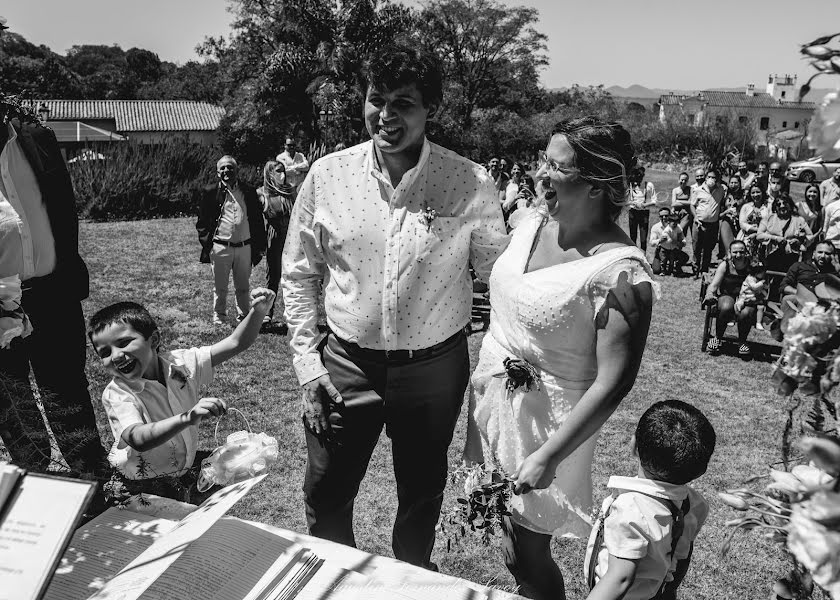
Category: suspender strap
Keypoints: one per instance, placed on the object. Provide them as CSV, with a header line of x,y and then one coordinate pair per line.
x,y
678,519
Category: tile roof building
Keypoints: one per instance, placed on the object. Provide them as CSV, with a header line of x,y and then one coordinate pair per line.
x,y
770,112
144,121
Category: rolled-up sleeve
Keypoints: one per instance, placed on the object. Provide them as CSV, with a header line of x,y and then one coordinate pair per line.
x,y
489,239
303,274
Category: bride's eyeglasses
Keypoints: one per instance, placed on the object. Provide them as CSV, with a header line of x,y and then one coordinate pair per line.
x,y
553,166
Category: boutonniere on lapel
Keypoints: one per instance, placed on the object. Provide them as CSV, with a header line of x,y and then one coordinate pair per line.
x,y
179,373
428,215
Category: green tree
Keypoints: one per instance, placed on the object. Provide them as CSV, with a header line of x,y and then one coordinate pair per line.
x,y
287,60
491,53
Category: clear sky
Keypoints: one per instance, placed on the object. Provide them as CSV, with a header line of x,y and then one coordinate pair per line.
x,y
656,43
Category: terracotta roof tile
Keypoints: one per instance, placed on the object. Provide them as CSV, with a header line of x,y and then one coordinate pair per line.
x,y
739,99
140,115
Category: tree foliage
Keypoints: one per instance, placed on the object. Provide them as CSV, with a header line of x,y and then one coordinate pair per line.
x,y
492,54
288,60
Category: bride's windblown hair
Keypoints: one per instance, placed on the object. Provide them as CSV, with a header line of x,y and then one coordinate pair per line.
x,y
604,156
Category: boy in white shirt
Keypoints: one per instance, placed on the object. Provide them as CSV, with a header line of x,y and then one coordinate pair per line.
x,y
152,401
641,544
667,240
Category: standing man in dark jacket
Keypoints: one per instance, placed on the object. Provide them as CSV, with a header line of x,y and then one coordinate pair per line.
x,y
39,242
232,235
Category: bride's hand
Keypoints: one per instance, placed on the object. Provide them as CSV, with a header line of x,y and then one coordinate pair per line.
x,y
535,473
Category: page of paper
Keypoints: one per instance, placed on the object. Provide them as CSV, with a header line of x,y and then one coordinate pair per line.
x,y
224,564
36,525
132,581
100,549
334,583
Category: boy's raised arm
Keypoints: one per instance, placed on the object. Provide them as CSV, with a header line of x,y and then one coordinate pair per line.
x,y
247,331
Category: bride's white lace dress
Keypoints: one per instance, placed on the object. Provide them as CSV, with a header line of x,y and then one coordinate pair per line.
x,y
546,317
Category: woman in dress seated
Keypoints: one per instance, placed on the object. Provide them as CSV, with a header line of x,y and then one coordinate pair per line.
x,y
572,299
783,235
723,290
753,211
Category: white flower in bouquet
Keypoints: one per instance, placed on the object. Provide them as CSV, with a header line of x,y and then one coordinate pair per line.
x,y
814,324
824,131
815,546
797,363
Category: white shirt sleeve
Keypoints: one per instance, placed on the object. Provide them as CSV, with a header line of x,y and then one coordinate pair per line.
x,y
489,239
303,272
625,532
121,412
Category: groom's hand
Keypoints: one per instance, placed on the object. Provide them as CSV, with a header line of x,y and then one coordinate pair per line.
x,y
318,398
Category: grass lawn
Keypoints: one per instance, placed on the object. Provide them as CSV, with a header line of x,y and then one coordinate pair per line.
x,y
156,263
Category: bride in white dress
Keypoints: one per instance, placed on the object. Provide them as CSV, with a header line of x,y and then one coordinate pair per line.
x,y
572,296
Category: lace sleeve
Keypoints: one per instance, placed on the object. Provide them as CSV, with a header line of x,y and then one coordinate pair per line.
x,y
626,271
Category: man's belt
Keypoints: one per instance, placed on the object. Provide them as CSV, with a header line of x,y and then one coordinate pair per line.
x,y
399,355
232,244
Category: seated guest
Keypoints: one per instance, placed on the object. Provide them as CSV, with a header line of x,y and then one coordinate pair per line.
x,y
783,235
667,240
809,274
810,208
723,290
754,292
777,170
746,176
753,211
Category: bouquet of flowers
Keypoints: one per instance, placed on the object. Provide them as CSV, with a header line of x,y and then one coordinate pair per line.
x,y
488,497
13,320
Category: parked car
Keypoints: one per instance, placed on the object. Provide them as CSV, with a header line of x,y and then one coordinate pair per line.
x,y
812,170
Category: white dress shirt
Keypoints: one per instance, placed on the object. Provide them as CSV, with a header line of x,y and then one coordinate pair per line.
x,y
27,247
296,167
639,528
392,279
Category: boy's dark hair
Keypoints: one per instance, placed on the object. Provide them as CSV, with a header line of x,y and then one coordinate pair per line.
x,y
397,65
675,442
130,313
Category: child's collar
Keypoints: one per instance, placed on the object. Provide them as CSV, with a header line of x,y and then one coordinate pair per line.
x,y
651,487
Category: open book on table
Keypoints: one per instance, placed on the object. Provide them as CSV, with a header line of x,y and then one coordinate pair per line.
x,y
125,555
38,514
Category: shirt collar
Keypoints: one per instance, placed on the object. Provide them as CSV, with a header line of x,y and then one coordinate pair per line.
x,y
651,487
374,168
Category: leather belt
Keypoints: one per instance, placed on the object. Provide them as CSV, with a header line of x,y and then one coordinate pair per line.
x,y
399,355
232,244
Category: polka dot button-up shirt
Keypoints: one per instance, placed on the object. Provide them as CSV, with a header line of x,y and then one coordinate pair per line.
x,y
393,262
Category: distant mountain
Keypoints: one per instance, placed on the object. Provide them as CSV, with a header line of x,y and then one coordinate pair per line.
x,y
636,91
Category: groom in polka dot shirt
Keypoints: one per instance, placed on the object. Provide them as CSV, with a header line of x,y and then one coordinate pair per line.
x,y
390,228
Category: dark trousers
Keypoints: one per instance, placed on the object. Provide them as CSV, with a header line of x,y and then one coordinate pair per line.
x,y
705,237
668,261
637,222
56,352
418,402
276,236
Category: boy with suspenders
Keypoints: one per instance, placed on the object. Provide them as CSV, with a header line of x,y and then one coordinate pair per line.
x,y
641,543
